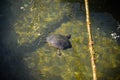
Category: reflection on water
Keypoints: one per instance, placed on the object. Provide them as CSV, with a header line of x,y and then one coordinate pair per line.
x,y
36,19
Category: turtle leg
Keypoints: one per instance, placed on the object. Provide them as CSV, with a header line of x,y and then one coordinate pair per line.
x,y
59,52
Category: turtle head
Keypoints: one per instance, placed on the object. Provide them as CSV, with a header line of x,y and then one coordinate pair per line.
x,y
68,36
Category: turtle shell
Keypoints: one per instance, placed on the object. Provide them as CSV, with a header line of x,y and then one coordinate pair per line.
x,y
59,41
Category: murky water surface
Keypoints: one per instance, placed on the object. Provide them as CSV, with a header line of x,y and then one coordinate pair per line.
x,y
37,19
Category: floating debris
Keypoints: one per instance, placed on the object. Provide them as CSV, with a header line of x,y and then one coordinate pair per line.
x,y
115,35
22,8
25,5
118,27
98,28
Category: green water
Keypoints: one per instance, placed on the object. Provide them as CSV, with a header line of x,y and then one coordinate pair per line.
x,y
36,19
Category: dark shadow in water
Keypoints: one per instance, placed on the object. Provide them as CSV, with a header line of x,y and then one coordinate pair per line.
x,y
111,74
12,66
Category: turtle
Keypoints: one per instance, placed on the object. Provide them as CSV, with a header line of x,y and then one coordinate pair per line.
x,y
60,42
